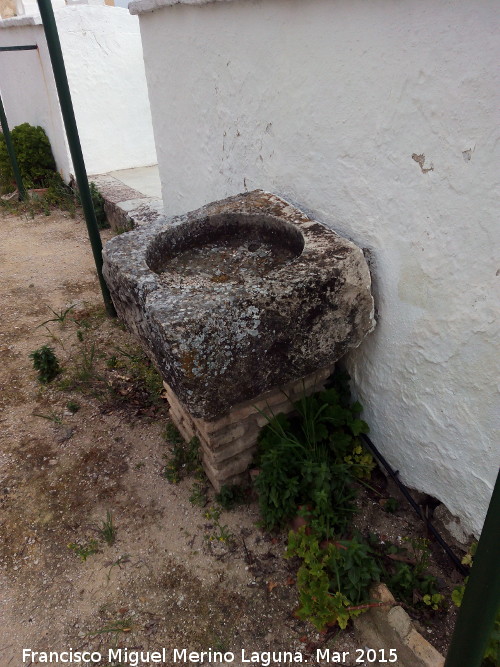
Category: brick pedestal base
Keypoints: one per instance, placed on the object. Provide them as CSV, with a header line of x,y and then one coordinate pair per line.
x,y
228,444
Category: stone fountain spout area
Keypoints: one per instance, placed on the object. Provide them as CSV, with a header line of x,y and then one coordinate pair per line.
x,y
243,305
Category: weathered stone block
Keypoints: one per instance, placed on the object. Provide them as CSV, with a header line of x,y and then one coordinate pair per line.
x,y
238,297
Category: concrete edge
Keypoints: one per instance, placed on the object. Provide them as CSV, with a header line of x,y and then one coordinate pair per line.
x,y
125,207
144,6
18,21
389,627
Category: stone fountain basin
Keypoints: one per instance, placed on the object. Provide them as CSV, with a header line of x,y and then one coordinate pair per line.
x,y
238,297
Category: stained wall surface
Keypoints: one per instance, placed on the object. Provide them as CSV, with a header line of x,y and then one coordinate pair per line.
x,y
103,58
380,119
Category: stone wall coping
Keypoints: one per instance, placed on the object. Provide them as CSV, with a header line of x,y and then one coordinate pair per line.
x,y
19,21
144,6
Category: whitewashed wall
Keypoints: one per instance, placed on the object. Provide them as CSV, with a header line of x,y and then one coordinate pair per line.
x,y
27,85
103,57
326,103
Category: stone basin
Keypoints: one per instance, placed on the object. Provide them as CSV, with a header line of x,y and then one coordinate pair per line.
x,y
239,297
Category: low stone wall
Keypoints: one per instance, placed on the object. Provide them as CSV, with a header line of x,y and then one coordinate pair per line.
x,y
228,444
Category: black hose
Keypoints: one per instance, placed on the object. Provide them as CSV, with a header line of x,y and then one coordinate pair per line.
x,y
463,569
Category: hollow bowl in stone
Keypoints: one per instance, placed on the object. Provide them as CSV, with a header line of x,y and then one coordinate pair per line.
x,y
239,296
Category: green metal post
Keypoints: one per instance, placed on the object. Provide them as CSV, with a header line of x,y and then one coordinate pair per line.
x,y
75,148
10,150
481,602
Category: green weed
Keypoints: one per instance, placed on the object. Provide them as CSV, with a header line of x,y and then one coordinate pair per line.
x,y
73,406
108,530
58,316
198,495
309,461
333,579
52,416
83,551
230,496
46,363
184,457
219,532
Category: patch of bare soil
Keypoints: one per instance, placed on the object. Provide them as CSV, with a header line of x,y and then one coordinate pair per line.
x,y
93,442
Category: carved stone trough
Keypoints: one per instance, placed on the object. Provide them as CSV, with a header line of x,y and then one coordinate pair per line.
x,y
243,305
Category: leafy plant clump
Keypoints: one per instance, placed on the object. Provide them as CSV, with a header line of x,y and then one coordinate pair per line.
x,y
46,363
333,579
308,462
98,205
409,581
34,156
184,457
230,496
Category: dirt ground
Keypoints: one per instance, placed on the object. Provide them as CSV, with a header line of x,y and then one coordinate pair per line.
x,y
164,583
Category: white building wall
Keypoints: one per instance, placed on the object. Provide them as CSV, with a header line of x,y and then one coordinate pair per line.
x,y
27,86
380,118
103,57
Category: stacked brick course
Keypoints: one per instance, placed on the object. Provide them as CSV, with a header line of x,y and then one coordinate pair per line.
x,y
228,443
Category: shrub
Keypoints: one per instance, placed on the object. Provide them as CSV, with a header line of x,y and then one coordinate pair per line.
x,y
46,363
309,460
34,156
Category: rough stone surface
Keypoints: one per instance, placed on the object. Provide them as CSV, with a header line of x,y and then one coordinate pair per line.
x,y
390,627
223,338
228,444
449,526
125,207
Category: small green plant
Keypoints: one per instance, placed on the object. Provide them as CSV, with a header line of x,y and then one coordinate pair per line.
x,y
58,316
184,457
46,363
52,416
140,367
410,582
391,505
332,580
84,371
220,532
34,157
309,461
112,362
108,530
198,495
98,205
125,558
83,551
230,496
73,406
121,625
434,601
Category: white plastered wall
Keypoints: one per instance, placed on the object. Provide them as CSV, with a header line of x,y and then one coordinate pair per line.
x,y
103,55
103,58
326,103
27,86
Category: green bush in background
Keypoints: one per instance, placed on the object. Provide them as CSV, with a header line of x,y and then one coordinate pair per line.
x,y
34,156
